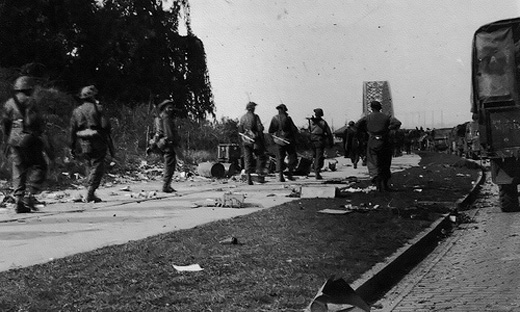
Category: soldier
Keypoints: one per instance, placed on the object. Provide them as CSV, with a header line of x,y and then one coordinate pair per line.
x,y
167,138
351,143
24,127
282,126
379,146
92,129
251,131
321,137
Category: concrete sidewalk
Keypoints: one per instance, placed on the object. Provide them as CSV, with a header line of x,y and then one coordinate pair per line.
x,y
66,228
475,269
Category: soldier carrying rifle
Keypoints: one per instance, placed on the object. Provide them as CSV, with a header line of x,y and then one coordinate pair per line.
x,y
92,129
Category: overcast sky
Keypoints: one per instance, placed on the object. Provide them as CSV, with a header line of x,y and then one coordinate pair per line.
x,y
310,54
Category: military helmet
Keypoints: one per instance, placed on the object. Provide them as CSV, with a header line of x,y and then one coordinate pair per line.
x,y
23,83
88,92
161,106
251,105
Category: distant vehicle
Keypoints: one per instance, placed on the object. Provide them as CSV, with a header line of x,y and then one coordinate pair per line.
x,y
442,139
496,103
472,140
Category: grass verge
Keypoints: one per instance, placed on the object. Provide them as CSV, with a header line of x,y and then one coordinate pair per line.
x,y
283,255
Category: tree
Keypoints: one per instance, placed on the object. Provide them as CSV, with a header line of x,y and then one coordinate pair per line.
x,y
131,49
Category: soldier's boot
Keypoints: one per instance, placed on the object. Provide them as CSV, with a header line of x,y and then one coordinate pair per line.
x,y
91,197
387,187
30,202
20,205
168,189
318,176
378,183
281,177
249,179
290,176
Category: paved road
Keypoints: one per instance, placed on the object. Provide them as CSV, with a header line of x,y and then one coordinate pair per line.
x,y
476,269
65,228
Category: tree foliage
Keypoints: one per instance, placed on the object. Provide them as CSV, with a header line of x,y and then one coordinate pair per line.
x,y
131,49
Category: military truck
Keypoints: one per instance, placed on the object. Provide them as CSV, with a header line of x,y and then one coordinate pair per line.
x,y
496,104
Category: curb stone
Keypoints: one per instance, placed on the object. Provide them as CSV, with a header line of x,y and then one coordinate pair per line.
x,y
381,277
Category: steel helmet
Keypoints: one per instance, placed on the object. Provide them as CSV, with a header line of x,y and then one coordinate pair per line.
x,y
23,83
88,92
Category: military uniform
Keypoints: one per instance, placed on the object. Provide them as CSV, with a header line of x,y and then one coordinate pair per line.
x,y
283,127
167,138
321,137
253,145
379,146
24,127
351,143
91,129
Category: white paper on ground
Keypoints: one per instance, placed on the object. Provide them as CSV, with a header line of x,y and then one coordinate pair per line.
x,y
188,268
334,211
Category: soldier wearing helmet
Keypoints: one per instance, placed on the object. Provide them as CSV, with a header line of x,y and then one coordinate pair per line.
x,y
379,147
253,146
321,137
166,141
284,131
91,129
24,127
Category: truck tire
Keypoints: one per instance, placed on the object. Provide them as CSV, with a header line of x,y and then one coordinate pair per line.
x,y
508,194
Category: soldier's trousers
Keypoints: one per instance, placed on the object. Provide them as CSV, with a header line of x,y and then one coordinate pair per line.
x,y
170,162
249,153
379,159
290,150
96,167
318,153
29,170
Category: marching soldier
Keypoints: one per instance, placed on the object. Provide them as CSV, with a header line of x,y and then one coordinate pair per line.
x,y
251,130
168,140
282,126
379,147
321,137
351,143
92,130
24,128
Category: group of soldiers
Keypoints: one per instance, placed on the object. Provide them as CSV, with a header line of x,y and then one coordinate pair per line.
x,y
24,127
368,137
90,140
284,133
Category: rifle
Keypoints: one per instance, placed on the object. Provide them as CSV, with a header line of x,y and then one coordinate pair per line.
x,y
247,138
147,142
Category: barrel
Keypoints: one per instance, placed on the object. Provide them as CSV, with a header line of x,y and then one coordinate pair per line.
x,y
211,170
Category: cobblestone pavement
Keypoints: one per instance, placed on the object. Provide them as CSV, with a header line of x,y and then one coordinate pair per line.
x,y
475,269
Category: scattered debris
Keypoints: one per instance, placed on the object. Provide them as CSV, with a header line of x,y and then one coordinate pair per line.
x,y
78,198
339,294
323,191
335,211
229,241
188,268
232,200
294,193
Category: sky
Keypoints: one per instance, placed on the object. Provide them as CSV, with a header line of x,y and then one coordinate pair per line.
x,y
309,54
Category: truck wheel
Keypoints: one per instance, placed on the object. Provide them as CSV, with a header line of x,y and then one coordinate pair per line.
x,y
508,194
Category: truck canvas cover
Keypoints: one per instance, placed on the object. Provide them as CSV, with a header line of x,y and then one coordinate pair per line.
x,y
495,86
495,63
